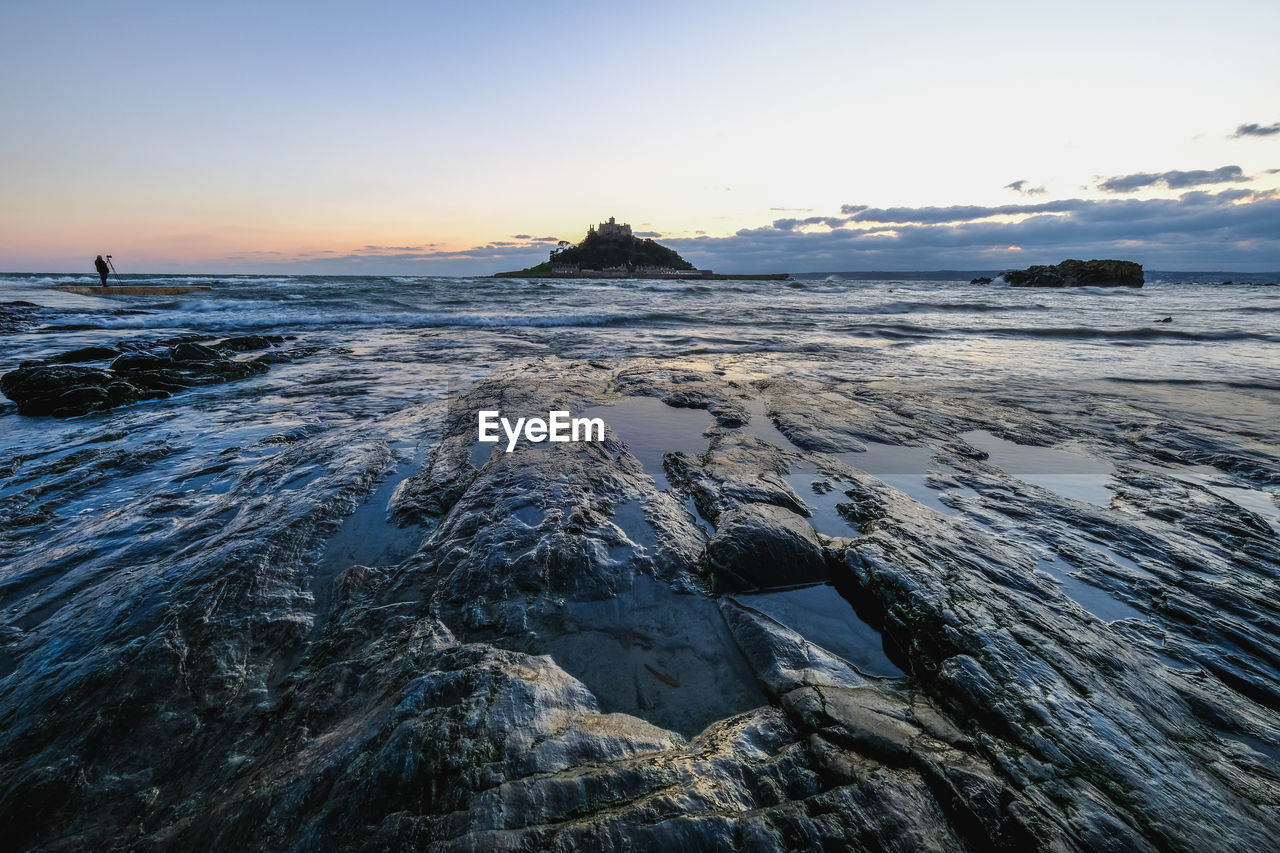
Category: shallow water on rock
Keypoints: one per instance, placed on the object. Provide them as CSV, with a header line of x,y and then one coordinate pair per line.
x,y
656,654
480,453
821,615
650,429
1258,502
1095,599
530,515
705,526
1263,504
822,500
630,518
905,468
1068,473
367,537
1129,565
762,426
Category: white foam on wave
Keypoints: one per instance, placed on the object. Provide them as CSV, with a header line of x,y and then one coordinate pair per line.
x,y
252,316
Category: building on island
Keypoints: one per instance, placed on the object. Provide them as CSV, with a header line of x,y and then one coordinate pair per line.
x,y
663,271
612,250
610,229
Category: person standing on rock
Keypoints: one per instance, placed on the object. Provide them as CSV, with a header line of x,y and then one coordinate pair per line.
x,y
101,266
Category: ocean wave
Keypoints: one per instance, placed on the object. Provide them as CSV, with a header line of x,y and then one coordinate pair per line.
x,y
226,319
1243,384
1140,333
1080,333
1245,309
906,307
547,321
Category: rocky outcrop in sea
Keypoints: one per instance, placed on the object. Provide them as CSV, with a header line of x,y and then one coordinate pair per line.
x,y
1073,273
63,387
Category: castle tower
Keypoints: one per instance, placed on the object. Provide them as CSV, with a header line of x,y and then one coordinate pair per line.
x,y
613,229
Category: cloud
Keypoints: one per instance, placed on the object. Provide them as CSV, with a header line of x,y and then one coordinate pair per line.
x,y
956,213
791,209
648,235
1256,130
791,224
521,237
1174,180
1022,188
1231,230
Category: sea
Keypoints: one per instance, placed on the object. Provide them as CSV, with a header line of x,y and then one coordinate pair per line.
x,y
1180,327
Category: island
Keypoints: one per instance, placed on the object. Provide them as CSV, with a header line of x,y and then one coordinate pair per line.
x,y
1073,273
611,250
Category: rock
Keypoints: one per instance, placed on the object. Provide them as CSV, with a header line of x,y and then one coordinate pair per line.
x,y
1108,704
52,388
726,414
244,343
141,361
980,280
18,315
195,352
782,659
764,545
197,669
181,339
68,391
84,354
1165,320
1073,273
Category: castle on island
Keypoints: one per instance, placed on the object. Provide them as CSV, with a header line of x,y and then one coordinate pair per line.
x,y
610,230
611,250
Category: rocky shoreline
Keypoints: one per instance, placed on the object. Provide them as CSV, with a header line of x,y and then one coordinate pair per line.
x,y
572,646
137,370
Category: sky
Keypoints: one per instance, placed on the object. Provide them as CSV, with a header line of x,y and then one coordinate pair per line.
x,y
455,139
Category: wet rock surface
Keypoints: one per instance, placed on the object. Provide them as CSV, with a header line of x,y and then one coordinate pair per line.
x,y
18,314
136,371
561,651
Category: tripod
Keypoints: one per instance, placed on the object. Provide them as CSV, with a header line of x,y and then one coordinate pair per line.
x,y
113,271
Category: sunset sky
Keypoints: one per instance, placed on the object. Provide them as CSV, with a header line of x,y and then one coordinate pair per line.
x,y
442,138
